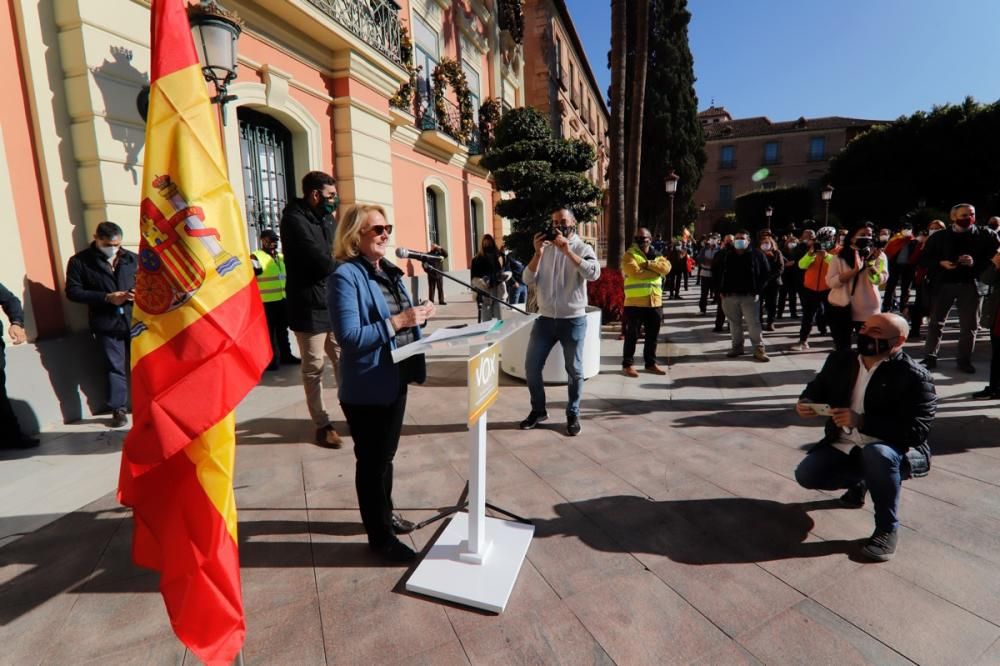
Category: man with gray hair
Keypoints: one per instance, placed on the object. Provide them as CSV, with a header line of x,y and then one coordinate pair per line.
x,y
559,271
954,258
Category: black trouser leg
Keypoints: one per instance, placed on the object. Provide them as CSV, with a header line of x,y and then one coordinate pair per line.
x,y
651,322
841,325
905,284
994,361
10,429
769,302
706,290
889,297
720,315
810,307
274,322
631,321
375,430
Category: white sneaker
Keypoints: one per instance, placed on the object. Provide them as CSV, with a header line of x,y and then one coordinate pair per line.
x,y
802,346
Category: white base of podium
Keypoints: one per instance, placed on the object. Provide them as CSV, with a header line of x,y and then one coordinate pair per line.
x,y
444,575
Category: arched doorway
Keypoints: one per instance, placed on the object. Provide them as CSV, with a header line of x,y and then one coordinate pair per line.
x,y
268,171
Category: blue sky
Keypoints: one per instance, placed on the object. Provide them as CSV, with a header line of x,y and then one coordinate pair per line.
x,y
877,59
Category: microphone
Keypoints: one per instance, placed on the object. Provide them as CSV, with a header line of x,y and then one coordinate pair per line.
x,y
403,253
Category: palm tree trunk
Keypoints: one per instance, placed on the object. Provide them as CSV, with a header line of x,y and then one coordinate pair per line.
x,y
640,26
616,134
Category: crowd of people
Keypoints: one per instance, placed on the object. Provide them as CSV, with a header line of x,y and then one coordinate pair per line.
x,y
869,289
832,280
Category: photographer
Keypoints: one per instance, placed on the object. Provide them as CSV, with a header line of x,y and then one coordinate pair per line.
x,y
854,278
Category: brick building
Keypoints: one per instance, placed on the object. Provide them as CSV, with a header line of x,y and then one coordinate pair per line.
x,y
559,82
782,154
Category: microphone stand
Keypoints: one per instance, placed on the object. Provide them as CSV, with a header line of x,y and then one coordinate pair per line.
x,y
481,292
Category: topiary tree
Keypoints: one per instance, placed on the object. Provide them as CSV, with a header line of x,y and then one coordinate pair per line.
x,y
543,174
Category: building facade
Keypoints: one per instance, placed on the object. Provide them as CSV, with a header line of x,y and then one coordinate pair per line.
x,y
745,154
559,82
317,89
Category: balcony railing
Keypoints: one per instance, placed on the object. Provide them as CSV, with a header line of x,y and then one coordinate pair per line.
x,y
375,22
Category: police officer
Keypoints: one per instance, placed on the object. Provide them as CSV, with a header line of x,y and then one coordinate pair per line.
x,y
269,267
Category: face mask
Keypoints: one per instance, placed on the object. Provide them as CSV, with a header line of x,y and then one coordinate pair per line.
x,y
792,245
741,243
328,206
766,247
907,232
995,227
963,223
862,243
869,346
108,251
641,241
713,242
931,232
884,239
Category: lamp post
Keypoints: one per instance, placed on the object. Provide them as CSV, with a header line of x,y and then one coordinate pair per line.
x,y
670,183
215,32
769,211
701,210
826,195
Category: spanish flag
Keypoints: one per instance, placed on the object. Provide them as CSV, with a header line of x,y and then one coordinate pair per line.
x,y
199,345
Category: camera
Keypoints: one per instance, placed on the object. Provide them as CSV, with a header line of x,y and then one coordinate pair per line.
x,y
865,252
551,232
826,245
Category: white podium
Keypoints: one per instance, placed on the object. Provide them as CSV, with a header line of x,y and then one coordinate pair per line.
x,y
475,561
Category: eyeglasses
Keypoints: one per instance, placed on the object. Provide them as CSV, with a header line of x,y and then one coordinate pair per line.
x,y
380,229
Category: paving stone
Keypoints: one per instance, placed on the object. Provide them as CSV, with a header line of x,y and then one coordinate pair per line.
x,y
810,634
449,654
896,612
673,632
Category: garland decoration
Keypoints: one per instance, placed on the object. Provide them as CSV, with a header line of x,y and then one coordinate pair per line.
x,y
449,72
403,99
489,116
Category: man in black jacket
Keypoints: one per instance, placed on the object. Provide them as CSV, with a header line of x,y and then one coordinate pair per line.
x,y
11,436
103,278
954,258
881,407
307,227
740,273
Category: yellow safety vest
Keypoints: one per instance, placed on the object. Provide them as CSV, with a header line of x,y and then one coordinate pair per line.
x,y
642,287
271,281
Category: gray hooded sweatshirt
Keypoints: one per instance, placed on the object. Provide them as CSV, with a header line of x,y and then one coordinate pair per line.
x,y
560,285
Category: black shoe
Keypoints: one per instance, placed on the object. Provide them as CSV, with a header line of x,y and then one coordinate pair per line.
x,y
21,442
987,393
929,362
273,367
401,525
717,329
534,418
442,303
291,360
118,418
572,425
394,551
768,327
967,367
854,498
881,546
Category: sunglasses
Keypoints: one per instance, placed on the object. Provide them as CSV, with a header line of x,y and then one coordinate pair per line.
x,y
380,229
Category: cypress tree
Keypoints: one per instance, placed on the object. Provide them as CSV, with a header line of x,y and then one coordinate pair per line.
x,y
543,173
671,130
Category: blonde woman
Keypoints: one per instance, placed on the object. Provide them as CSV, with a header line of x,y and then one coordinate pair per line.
x,y
372,314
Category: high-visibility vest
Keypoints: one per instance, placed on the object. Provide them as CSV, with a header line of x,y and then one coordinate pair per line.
x,y
271,281
642,287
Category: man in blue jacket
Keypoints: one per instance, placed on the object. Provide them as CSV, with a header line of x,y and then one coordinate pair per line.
x,y
881,405
11,436
103,278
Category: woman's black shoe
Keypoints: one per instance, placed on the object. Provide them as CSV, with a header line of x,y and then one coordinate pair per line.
x,y
395,551
401,525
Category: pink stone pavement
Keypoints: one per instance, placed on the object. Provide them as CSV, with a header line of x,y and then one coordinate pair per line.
x,y
671,531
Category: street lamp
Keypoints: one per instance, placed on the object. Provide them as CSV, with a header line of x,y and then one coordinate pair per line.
x,y
826,195
701,209
769,211
670,182
215,32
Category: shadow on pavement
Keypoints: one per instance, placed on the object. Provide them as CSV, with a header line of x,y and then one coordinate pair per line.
x,y
707,531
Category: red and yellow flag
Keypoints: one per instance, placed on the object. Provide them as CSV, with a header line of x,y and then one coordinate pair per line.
x,y
199,344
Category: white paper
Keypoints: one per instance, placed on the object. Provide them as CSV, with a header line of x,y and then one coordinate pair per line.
x,y
463,331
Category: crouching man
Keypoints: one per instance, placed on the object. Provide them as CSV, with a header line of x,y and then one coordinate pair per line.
x,y
882,404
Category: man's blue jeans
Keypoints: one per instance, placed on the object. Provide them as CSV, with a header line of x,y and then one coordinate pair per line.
x,y
116,359
879,465
545,333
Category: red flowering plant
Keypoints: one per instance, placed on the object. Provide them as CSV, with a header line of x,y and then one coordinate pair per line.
x,y
608,293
